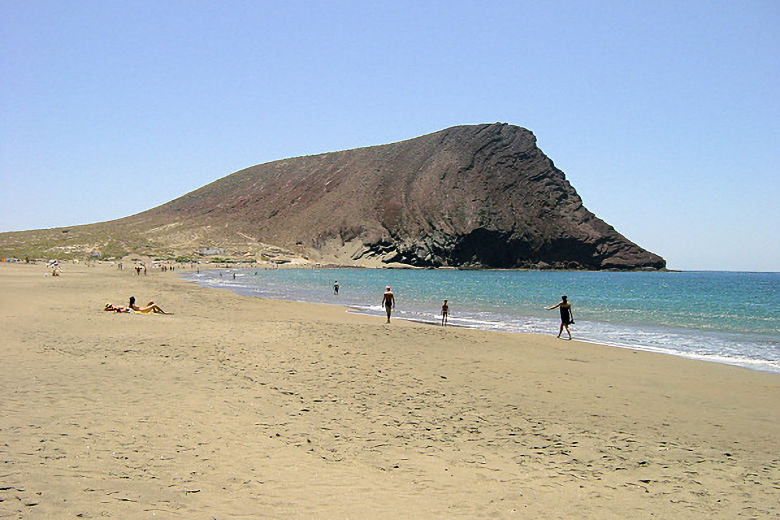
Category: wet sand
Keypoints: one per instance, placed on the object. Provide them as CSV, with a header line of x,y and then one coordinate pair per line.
x,y
238,407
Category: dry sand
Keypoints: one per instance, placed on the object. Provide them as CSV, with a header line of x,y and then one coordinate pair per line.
x,y
237,407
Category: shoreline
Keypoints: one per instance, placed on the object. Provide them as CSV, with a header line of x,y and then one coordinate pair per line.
x,y
237,405
595,331
746,364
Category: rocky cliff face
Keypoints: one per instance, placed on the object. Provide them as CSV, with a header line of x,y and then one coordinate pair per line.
x,y
482,196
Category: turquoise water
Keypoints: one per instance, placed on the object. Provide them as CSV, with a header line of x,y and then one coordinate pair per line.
x,y
719,316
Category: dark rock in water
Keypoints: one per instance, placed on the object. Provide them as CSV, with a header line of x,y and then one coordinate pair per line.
x,y
481,195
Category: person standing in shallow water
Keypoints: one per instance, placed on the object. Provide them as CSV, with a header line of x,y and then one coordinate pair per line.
x,y
336,287
567,317
388,301
445,311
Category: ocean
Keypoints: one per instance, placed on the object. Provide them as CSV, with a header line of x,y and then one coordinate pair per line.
x,y
725,317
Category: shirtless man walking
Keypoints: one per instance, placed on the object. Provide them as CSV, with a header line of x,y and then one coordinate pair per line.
x,y
388,301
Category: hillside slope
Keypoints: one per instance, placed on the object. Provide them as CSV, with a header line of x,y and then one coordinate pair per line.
x,y
481,195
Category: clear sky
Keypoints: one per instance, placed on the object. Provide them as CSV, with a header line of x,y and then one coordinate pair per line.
x,y
663,114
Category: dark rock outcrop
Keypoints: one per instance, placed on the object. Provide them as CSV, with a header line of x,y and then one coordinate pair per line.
x,y
481,196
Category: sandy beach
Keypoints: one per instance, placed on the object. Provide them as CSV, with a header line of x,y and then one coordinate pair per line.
x,y
239,407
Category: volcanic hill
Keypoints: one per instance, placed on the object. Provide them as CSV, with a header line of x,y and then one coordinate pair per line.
x,y
475,196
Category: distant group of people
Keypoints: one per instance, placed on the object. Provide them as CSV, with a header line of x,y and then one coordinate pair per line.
x,y
142,267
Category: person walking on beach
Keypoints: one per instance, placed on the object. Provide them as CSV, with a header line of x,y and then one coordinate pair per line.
x,y
567,317
445,310
336,287
388,301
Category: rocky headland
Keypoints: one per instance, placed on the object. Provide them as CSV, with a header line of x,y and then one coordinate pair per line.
x,y
468,196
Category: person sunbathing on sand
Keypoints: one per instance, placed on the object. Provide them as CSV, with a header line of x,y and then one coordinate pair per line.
x,y
149,307
116,308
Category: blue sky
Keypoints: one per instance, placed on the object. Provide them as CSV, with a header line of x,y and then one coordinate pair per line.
x,y
663,115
